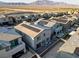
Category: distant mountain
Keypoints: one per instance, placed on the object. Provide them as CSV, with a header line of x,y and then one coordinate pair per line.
x,y
46,2
52,3
40,3
11,4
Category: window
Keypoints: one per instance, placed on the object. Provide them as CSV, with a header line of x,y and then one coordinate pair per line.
x,y
54,33
47,39
58,32
44,34
14,43
38,45
38,38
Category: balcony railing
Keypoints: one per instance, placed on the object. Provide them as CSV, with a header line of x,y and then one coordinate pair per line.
x,y
10,48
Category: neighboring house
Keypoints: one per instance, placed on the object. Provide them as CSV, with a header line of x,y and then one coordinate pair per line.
x,y
35,36
67,50
77,15
56,28
15,19
18,19
10,20
3,20
66,21
11,44
6,20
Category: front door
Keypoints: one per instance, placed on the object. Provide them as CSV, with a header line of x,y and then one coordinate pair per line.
x,y
38,45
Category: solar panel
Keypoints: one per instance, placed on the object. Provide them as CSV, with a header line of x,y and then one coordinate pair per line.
x,y
30,28
61,20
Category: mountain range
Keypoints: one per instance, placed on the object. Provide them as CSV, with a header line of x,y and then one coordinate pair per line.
x,y
46,2
38,2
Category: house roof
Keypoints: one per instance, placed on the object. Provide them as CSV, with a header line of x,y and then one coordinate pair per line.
x,y
8,30
29,29
71,44
8,34
60,19
64,19
47,23
51,23
8,37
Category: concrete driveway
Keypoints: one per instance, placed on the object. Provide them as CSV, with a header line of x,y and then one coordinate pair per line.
x,y
53,52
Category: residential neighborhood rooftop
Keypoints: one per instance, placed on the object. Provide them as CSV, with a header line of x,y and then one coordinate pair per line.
x,y
51,23
41,35
71,44
47,23
30,30
8,37
8,30
59,19
64,19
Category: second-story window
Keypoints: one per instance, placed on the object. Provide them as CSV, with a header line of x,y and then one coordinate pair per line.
x,y
38,38
14,43
44,34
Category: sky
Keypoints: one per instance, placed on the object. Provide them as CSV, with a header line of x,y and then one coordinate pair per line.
x,y
29,1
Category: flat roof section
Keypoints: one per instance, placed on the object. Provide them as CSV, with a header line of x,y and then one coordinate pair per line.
x,y
64,20
8,37
71,44
47,23
30,28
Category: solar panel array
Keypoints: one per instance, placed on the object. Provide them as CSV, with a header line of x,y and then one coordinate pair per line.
x,y
30,28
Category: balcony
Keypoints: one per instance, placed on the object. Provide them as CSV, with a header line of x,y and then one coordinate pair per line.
x,y
17,48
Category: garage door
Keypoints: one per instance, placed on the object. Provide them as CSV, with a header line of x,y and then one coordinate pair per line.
x,y
17,55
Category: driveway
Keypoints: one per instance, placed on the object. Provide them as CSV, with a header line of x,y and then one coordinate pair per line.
x,y
53,52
